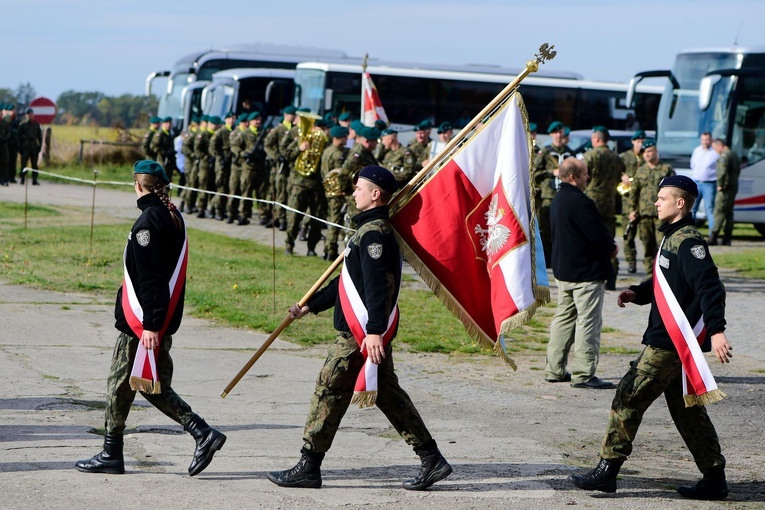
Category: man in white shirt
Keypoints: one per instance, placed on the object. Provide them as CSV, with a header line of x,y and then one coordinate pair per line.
x,y
704,168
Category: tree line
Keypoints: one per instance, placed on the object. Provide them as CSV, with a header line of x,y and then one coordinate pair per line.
x,y
90,108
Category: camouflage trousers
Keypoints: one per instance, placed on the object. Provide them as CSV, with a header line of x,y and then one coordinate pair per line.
x,y
119,395
305,199
205,181
335,215
261,186
239,183
222,176
648,231
192,181
630,250
334,389
280,191
723,221
658,371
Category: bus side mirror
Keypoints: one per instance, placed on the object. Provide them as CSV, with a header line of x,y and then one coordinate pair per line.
x,y
631,90
705,90
328,100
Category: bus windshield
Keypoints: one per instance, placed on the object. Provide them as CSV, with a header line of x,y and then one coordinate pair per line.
x,y
309,89
170,103
748,138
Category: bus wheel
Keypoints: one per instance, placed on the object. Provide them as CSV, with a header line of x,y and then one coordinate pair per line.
x,y
760,227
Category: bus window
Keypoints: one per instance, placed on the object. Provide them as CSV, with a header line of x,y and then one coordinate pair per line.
x,y
749,128
548,104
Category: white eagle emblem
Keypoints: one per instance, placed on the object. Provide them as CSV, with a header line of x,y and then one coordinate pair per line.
x,y
375,250
698,251
143,237
495,236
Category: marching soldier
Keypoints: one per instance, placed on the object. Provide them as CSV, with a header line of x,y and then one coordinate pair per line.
x,y
162,145
645,186
632,159
239,174
361,155
332,160
728,170
546,164
606,169
417,151
154,123
30,142
220,149
395,155
280,169
206,173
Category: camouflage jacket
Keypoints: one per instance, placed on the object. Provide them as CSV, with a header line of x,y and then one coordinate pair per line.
x,y
645,188
333,157
728,170
605,168
415,154
631,162
30,137
162,146
547,160
201,146
220,145
146,144
358,158
187,145
273,138
253,154
393,160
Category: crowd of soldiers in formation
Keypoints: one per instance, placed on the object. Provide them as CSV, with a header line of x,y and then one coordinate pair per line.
x,y
20,135
308,166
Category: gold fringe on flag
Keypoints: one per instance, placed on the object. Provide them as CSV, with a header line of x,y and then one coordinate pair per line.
x,y
704,399
145,385
364,398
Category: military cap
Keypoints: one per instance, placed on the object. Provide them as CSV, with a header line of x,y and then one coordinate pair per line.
x,y
205,118
555,126
147,166
680,181
357,125
195,119
370,133
329,116
320,123
389,131
425,125
9,106
566,131
649,142
289,110
167,119
600,129
254,115
30,110
639,135
304,109
242,118
214,119
532,127
344,116
444,127
229,114
155,120
338,132
380,124
380,176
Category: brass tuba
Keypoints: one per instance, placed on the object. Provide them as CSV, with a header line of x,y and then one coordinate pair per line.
x,y
334,183
308,160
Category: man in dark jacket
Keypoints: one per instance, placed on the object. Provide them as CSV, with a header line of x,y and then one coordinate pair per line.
x,y
582,248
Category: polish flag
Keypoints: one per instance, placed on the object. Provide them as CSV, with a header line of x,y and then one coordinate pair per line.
x,y
371,107
471,234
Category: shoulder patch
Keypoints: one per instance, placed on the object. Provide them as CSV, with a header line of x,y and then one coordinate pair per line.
x,y
699,251
375,250
347,251
143,237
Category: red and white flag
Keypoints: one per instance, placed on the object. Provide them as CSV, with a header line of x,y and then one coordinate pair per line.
x,y
371,106
471,234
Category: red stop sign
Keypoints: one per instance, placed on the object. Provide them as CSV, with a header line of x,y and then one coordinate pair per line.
x,y
45,110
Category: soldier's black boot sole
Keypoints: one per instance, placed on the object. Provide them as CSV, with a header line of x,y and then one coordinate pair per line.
x,y
583,482
305,481
441,470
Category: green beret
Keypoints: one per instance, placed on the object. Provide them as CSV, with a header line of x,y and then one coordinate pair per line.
x,y
649,142
566,131
532,127
338,132
357,125
600,129
242,118
230,114
167,119
289,110
329,116
195,119
639,135
444,127
389,131
254,115
304,109
205,118
555,126
344,116
380,124
425,125
214,119
147,166
155,120
9,106
370,133
320,123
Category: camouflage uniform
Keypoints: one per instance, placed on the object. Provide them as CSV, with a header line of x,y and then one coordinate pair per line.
x,y
332,158
30,142
205,176
631,163
415,154
545,162
255,177
643,193
192,167
358,158
279,171
146,144
658,368
394,160
728,170
334,386
162,146
220,149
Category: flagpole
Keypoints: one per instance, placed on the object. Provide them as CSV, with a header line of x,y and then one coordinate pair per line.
x,y
286,322
546,52
363,85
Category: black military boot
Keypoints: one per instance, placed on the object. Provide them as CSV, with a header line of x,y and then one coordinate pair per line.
x,y
602,478
725,241
434,468
208,441
711,487
109,461
712,239
306,473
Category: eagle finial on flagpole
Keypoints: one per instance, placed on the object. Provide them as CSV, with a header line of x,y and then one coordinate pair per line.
x,y
364,64
546,52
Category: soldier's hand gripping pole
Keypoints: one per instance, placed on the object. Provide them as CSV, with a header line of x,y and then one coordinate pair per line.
x,y
286,322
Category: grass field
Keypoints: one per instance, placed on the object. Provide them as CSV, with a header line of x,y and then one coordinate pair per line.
x,y
66,147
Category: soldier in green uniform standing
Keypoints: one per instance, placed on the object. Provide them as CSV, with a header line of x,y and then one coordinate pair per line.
x,y
238,173
645,186
360,156
546,163
187,149
395,155
30,142
257,177
417,151
220,149
162,146
280,168
728,170
206,173
606,169
332,160
632,160
154,123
